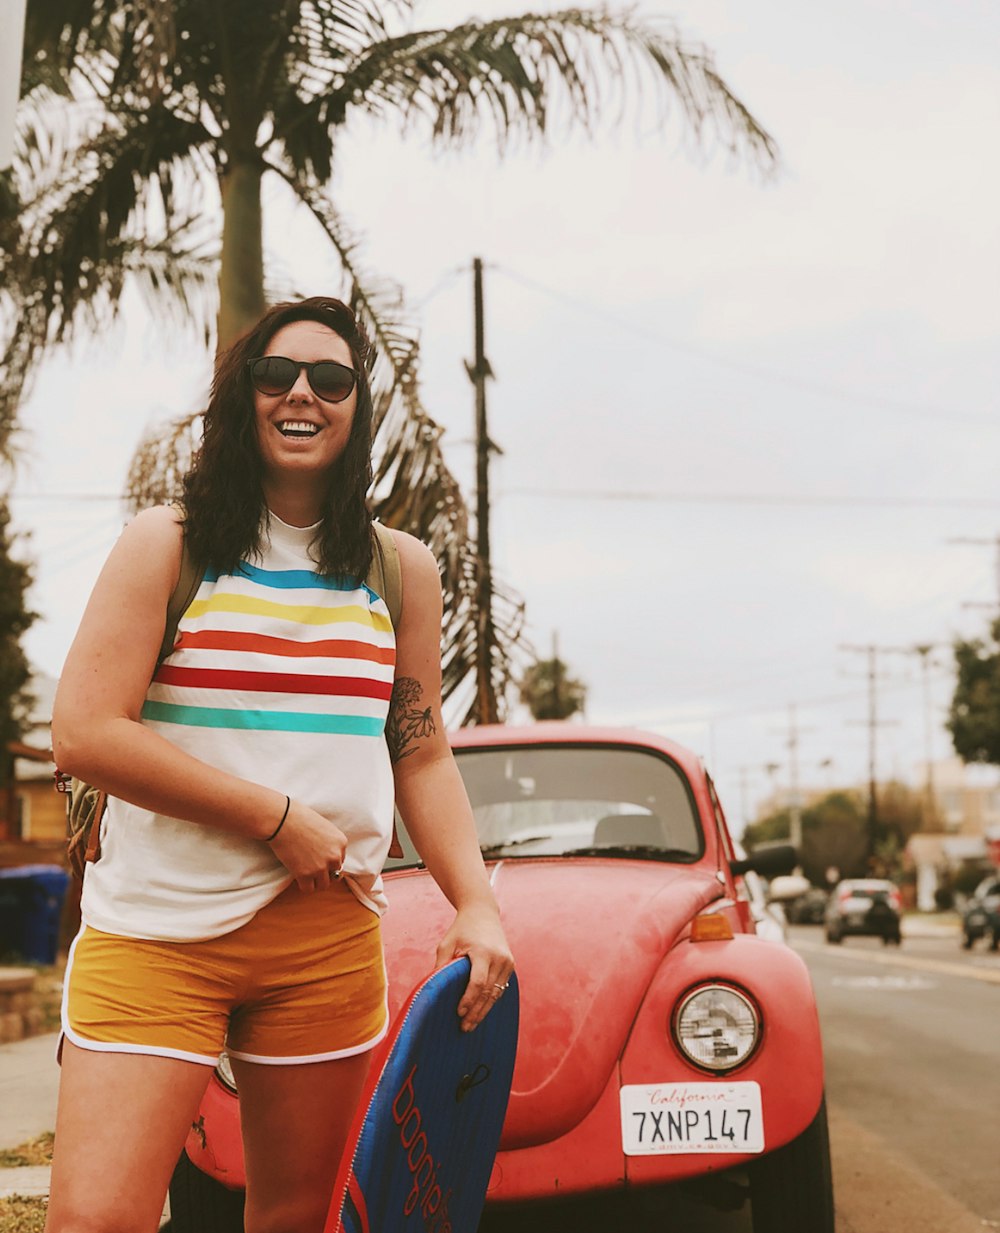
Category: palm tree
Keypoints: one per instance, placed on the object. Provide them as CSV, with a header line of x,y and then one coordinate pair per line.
x,y
549,692
139,118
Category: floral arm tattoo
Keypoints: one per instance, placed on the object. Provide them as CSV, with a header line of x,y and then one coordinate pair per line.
x,y
407,720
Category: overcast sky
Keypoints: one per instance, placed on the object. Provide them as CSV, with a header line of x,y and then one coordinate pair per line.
x,y
743,424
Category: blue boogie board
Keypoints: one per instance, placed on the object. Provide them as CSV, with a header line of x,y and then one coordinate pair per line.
x,y
421,1150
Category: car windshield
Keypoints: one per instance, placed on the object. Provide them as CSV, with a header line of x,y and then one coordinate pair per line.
x,y
871,893
577,800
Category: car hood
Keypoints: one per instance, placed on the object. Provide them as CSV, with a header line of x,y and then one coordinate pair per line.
x,y
587,936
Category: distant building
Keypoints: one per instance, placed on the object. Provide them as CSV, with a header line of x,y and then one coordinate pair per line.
x,y
32,813
967,799
967,796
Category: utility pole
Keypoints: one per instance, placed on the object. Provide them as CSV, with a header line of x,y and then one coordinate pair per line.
x,y
556,673
924,650
794,793
12,18
795,804
873,723
930,810
487,711
872,823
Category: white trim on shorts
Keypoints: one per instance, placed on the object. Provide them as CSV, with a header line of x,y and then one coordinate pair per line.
x,y
100,1046
301,1060
97,1046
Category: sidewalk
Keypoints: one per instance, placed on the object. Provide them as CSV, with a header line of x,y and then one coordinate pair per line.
x,y
931,925
29,1086
29,1081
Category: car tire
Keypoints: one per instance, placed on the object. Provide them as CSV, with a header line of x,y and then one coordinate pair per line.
x,y
833,938
967,941
200,1204
791,1189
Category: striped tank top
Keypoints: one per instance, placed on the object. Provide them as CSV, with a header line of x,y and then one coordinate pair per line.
x,y
279,675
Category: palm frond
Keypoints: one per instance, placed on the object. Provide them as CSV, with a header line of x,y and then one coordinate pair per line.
x,y
162,458
516,73
100,199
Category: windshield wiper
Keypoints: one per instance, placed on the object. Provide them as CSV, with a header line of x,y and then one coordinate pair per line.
x,y
645,851
497,849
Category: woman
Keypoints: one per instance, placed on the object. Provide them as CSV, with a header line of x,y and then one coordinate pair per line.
x,y
237,897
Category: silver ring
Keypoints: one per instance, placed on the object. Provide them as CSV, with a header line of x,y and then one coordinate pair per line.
x,y
500,987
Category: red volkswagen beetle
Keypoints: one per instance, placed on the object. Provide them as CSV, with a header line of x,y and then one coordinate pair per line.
x,y
665,1049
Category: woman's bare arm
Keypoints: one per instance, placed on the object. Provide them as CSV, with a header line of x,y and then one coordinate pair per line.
x,y
96,733
429,790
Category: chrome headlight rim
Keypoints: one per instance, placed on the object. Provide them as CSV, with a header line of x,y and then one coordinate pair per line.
x,y
716,986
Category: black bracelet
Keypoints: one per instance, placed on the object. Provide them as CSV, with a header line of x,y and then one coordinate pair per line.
x,y
274,833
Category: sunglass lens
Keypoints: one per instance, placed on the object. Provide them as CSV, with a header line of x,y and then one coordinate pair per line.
x,y
274,374
332,381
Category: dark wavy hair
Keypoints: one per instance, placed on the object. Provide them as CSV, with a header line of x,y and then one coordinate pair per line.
x,y
225,511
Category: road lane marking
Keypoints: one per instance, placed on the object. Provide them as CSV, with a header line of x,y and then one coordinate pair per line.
x,y
889,981
902,961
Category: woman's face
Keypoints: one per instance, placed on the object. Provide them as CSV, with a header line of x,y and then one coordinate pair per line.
x,y
298,432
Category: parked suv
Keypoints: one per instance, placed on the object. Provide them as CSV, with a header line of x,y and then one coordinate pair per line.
x,y
981,916
867,906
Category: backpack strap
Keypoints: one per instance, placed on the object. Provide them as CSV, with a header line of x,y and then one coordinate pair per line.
x,y
188,581
385,576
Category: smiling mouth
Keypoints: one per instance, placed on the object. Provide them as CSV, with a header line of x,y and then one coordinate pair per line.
x,y
298,430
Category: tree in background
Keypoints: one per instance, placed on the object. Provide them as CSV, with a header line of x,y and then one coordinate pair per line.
x,y
974,715
833,835
550,692
15,620
145,133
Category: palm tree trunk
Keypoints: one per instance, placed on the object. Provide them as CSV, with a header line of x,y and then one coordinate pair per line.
x,y
241,278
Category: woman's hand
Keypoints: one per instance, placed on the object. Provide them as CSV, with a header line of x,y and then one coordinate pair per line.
x,y
310,847
477,932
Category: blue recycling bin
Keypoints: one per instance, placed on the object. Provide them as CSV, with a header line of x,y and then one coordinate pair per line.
x,y
31,902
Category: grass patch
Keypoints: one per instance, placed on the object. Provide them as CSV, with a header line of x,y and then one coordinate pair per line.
x,y
22,1215
36,1152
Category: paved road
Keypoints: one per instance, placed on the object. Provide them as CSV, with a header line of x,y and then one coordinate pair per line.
x,y
912,1044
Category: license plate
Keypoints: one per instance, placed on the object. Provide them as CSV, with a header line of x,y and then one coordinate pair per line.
x,y
660,1119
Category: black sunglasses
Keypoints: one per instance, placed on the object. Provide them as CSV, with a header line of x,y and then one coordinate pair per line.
x,y
276,374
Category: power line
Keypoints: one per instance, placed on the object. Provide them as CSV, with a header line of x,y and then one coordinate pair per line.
x,y
841,393
751,498
68,496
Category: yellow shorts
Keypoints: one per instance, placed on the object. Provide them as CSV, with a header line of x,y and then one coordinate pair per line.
x,y
304,981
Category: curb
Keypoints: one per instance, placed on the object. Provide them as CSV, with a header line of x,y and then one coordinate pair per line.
x,y
27,1181
914,927
32,1182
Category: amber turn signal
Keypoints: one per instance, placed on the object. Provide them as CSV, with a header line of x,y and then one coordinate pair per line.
x,y
711,928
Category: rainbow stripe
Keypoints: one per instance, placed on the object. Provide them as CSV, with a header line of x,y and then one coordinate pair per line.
x,y
319,659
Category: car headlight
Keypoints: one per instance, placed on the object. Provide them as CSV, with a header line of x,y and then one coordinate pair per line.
x,y
224,1072
717,1027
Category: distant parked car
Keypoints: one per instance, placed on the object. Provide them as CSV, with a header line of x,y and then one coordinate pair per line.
x,y
864,906
809,908
981,916
767,898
